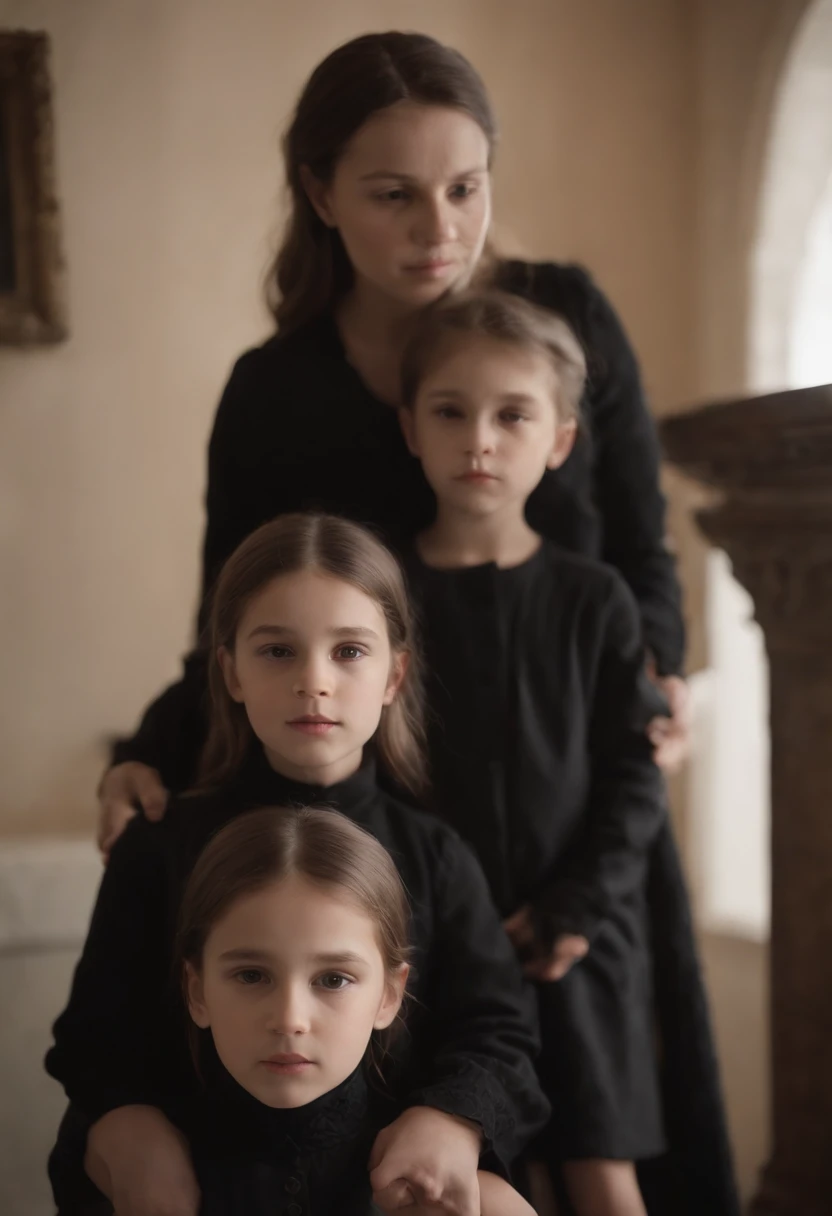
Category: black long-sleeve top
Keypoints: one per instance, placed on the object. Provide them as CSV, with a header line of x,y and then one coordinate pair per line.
x,y
251,1160
297,428
471,1030
538,704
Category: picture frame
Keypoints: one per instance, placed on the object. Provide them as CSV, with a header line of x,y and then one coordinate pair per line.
x,y
32,303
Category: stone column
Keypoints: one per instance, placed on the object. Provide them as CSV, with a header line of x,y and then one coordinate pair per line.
x,y
771,459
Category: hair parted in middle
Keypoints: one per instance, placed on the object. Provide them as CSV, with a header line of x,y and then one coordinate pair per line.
x,y
507,318
341,549
264,846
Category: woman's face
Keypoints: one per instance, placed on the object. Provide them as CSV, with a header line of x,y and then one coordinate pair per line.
x,y
292,985
411,199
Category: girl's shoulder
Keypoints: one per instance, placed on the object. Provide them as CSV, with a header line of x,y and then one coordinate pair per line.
x,y
585,580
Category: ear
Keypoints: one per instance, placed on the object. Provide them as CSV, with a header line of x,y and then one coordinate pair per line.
x,y
196,997
391,1002
406,422
318,193
229,672
398,671
565,436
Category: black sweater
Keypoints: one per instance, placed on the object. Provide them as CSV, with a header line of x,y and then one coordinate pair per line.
x,y
297,428
251,1160
471,1031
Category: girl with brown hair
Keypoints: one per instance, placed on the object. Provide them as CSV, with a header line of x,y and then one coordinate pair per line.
x,y
314,682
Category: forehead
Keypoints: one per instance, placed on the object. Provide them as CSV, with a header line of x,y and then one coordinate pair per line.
x,y
417,140
294,916
308,601
477,361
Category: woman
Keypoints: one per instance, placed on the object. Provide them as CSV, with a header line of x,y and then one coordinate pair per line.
x,y
388,161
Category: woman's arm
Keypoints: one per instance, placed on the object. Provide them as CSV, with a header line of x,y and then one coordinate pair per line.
x,y
117,1043
141,1162
626,806
627,486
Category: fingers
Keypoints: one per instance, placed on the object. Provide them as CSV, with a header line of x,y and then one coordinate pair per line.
x,y
121,788
393,1197
569,949
519,927
149,792
115,818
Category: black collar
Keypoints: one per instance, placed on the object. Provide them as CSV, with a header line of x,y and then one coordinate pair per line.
x,y
228,1119
258,784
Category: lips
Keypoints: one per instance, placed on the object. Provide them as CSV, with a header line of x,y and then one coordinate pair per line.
x,y
477,476
313,724
431,266
287,1065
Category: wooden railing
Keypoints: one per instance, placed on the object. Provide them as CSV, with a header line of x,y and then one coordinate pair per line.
x,y
771,458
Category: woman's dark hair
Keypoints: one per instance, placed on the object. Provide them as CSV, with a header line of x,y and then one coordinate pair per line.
x,y
505,318
264,846
311,269
344,550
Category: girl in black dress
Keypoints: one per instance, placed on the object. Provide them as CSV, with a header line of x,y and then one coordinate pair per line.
x,y
311,659
293,948
539,701
388,158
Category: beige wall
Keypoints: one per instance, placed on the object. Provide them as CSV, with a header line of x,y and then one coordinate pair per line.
x,y
632,139
168,116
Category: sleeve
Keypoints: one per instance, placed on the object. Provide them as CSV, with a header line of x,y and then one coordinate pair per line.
x,y
626,476
112,1044
173,728
626,806
481,1016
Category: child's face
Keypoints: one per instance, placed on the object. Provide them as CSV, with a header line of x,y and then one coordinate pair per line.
x,y
485,425
292,985
312,664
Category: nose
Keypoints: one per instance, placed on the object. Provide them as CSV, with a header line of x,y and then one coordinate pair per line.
x,y
313,677
288,1012
480,439
436,223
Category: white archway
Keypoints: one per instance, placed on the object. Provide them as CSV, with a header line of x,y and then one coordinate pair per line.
x,y
795,183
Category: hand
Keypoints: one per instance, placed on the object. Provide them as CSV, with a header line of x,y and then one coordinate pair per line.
x,y
549,966
430,1158
122,786
671,736
139,1160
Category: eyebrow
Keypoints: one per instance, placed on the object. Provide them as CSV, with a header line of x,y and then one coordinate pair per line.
x,y
389,174
453,394
246,954
283,631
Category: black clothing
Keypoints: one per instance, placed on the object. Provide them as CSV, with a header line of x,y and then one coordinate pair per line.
x,y
308,1161
297,428
471,1026
539,669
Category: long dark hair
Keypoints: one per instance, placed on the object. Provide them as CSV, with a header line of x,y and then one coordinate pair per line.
x,y
311,269
346,551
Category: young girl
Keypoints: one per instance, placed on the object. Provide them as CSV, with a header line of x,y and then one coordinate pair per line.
x,y
539,700
311,658
293,945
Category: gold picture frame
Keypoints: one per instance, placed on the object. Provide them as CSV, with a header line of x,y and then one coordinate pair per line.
x,y
32,305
